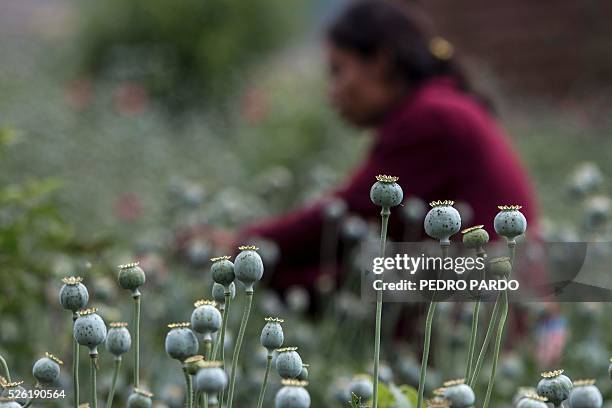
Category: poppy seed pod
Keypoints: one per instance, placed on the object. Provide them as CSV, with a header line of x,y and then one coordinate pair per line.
x,y
510,222
292,395
193,364
118,339
131,277
181,341
475,237
386,192
304,373
521,393
140,399
248,266
530,400
459,394
554,386
499,267
12,389
272,335
47,369
206,318
211,378
362,387
218,293
222,271
288,363
585,395
89,330
442,221
73,295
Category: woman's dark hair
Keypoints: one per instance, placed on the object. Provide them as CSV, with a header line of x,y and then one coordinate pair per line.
x,y
368,27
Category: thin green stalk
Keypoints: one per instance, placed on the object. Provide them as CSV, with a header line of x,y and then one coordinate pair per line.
x,y
220,345
428,325
205,398
498,342
136,297
473,337
198,398
238,346
75,366
500,330
188,389
221,337
485,345
265,381
5,369
94,383
474,333
111,394
384,215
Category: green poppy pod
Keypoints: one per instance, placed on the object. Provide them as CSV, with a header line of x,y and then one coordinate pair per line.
x,y
272,335
140,399
475,237
206,318
181,341
131,277
304,373
222,271
47,369
292,395
459,394
499,267
288,363
531,400
385,192
510,222
73,295
554,386
585,395
14,392
248,266
442,221
90,330
211,378
118,339
193,364
218,293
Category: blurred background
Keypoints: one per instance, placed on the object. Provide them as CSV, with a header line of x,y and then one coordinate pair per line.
x,y
124,121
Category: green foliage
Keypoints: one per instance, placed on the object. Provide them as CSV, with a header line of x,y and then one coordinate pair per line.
x,y
32,235
385,397
410,393
185,50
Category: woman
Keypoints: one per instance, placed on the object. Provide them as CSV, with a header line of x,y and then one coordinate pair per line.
x,y
432,131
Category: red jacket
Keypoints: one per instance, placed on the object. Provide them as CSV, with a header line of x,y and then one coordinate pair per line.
x,y
442,144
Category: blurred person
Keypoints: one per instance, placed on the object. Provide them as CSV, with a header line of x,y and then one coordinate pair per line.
x,y
431,129
390,73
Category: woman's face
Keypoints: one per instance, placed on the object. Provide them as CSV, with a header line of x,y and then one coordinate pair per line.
x,y
361,90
